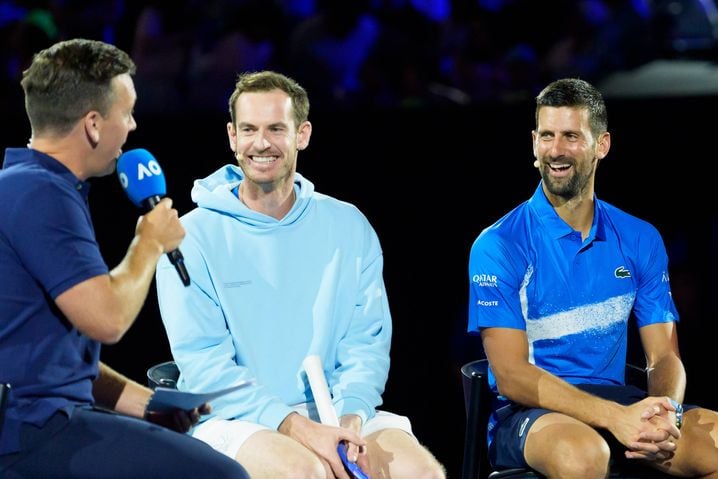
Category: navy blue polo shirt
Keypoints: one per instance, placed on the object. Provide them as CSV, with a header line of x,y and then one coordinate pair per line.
x,y
47,245
531,271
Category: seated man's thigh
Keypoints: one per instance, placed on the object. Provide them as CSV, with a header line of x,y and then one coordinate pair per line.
x,y
397,453
268,454
556,442
98,443
696,454
263,452
394,451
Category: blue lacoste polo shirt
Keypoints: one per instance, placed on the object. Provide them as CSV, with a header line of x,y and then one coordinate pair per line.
x,y
574,298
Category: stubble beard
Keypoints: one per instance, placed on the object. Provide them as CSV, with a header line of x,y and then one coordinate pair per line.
x,y
566,188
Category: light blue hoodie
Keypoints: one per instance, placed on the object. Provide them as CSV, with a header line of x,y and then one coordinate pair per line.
x,y
266,293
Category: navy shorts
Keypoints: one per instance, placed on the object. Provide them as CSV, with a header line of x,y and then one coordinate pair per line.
x,y
514,421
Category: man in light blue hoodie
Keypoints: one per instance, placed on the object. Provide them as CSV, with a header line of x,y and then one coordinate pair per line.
x,y
280,272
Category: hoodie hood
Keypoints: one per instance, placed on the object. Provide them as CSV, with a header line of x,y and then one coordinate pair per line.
x,y
215,192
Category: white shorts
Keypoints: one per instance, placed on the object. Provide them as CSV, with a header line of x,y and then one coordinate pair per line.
x,y
228,435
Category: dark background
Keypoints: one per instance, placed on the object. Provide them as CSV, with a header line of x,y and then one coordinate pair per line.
x,y
429,136
429,181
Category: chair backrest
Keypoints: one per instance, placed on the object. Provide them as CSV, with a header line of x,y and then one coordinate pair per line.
x,y
477,401
163,375
4,394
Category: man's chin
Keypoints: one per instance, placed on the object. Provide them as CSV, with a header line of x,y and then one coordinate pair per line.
x,y
564,188
109,170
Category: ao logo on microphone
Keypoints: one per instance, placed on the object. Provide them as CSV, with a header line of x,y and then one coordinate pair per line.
x,y
150,169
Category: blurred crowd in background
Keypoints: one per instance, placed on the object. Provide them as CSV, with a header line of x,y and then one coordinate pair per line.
x,y
368,53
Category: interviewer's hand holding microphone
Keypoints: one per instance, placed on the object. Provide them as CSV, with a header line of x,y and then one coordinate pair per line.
x,y
144,182
162,225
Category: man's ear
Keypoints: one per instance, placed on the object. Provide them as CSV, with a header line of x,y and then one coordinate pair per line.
x,y
603,145
303,134
232,138
92,125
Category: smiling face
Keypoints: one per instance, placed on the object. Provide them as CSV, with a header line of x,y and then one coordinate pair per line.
x,y
266,140
567,151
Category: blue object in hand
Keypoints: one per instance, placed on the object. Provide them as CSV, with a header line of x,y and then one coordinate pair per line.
x,y
144,182
141,177
351,467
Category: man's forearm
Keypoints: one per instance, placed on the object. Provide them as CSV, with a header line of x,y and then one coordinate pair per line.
x,y
108,386
534,387
114,391
667,377
131,279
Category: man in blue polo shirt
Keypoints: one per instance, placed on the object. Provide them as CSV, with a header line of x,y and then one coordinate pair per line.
x,y
552,286
59,301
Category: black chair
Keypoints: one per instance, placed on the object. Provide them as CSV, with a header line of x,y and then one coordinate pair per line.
x,y
4,393
477,401
163,375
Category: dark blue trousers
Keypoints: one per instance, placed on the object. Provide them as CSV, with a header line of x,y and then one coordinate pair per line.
x,y
97,444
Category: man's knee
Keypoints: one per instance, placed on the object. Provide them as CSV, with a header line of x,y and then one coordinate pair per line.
x,y
268,454
403,455
309,467
583,456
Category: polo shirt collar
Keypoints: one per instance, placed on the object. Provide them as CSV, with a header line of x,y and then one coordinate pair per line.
x,y
557,227
29,157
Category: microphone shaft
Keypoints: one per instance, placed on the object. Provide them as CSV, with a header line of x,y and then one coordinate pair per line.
x,y
151,202
175,256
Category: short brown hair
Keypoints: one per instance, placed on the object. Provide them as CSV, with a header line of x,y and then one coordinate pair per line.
x,y
70,78
266,81
573,92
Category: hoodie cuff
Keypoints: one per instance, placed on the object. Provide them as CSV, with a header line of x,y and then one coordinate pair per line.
x,y
356,406
274,414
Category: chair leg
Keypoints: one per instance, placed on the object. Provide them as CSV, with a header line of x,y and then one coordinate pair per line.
x,y
471,467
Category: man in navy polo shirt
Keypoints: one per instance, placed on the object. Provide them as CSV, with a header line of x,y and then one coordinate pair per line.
x,y
552,285
59,301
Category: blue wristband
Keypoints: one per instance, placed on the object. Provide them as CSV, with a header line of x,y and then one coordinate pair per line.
x,y
679,412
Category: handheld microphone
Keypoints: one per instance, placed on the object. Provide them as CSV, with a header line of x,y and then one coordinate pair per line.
x,y
144,182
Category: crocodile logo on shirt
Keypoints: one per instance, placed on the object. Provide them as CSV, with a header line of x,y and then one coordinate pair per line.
x,y
622,272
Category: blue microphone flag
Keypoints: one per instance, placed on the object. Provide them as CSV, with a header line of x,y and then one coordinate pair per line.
x,y
144,182
141,176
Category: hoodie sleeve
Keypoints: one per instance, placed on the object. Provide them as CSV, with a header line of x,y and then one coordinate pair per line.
x,y
362,368
202,345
